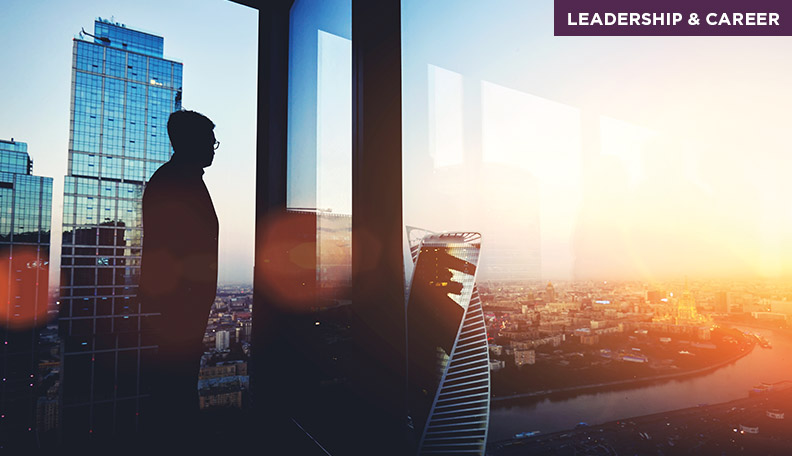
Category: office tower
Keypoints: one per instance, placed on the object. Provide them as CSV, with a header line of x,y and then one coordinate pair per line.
x,y
685,311
222,340
25,215
550,295
447,354
123,91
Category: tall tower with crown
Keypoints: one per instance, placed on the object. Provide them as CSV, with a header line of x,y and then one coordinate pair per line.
x,y
550,295
685,311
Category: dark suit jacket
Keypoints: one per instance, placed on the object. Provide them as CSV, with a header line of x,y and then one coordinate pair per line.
x,y
179,263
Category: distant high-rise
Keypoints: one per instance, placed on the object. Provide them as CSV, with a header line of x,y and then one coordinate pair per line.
x,y
123,91
222,340
550,295
25,219
685,311
721,303
447,351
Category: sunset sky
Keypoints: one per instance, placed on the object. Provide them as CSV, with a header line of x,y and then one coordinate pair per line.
x,y
638,157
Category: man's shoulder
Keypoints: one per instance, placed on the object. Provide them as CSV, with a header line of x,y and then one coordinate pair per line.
x,y
160,180
163,173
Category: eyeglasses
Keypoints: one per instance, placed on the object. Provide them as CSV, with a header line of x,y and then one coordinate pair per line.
x,y
216,145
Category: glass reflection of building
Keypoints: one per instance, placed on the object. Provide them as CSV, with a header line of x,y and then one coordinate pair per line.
x,y
334,251
448,357
25,215
123,91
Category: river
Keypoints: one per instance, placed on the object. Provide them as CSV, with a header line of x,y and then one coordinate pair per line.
x,y
727,383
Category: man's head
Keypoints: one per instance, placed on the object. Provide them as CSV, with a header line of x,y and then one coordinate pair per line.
x,y
192,137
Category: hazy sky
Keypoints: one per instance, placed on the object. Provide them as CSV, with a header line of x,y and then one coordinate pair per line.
x,y
606,157
217,41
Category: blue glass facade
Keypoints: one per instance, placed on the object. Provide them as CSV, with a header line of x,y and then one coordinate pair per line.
x,y
25,219
123,91
118,36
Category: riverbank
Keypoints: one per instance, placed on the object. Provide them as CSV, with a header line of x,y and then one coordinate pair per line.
x,y
706,429
626,382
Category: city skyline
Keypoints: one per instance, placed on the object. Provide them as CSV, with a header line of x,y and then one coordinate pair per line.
x,y
221,83
635,281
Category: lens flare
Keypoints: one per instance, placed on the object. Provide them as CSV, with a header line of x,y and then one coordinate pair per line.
x,y
23,289
287,263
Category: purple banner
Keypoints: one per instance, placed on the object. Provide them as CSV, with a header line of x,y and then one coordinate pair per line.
x,y
673,18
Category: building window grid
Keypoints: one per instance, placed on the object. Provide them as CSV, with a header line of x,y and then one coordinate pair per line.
x,y
123,210
27,206
6,219
12,161
13,146
136,67
114,131
130,126
130,40
115,63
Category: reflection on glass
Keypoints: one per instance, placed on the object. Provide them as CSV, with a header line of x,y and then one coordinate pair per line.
x,y
319,163
447,359
613,168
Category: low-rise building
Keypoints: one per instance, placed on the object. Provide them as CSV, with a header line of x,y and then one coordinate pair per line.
x,y
496,365
633,357
523,357
769,316
220,397
224,369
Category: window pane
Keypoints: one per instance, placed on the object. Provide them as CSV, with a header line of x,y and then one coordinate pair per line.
x,y
600,172
319,182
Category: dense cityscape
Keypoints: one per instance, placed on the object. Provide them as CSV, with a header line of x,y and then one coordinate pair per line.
x,y
559,340
594,326
223,378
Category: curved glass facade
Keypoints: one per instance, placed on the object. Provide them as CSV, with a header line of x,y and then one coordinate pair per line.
x,y
448,358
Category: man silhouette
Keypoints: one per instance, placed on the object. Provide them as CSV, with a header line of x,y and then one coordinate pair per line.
x,y
179,270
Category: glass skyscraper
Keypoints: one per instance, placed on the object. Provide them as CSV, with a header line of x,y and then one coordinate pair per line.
x,y
25,218
447,350
123,91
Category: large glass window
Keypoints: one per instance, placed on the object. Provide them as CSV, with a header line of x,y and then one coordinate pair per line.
x,y
310,272
600,172
319,181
